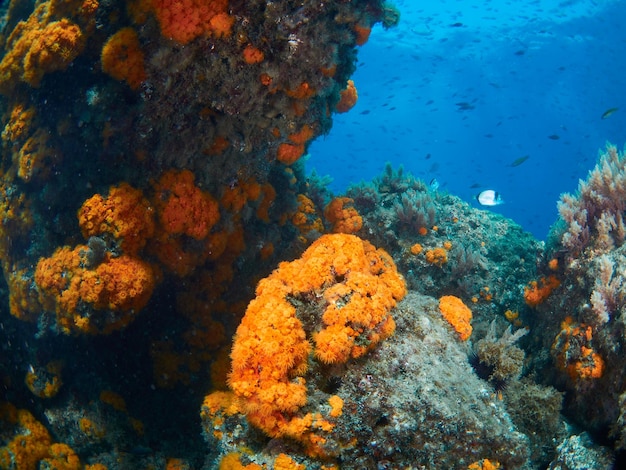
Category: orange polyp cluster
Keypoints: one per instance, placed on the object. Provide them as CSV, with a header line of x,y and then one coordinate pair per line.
x,y
485,464
301,92
219,145
124,214
359,286
122,58
235,197
342,216
362,34
57,45
537,292
252,55
31,446
437,256
347,98
289,153
117,287
307,218
183,208
45,382
457,314
34,156
574,352
45,42
416,249
185,20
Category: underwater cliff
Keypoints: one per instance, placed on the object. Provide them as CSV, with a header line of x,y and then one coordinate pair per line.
x,y
178,293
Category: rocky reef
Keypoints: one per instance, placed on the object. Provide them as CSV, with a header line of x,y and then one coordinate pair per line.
x,y
178,293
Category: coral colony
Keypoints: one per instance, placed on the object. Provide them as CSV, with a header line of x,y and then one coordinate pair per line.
x,y
179,295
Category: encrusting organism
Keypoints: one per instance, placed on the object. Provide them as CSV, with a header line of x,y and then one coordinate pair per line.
x,y
457,314
339,294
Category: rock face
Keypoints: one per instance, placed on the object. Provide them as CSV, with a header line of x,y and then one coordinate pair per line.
x,y
417,399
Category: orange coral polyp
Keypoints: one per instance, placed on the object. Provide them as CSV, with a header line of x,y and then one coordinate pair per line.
x,y
185,20
271,351
362,34
124,213
537,292
457,314
183,208
289,153
122,58
54,48
118,288
252,55
437,256
347,98
342,216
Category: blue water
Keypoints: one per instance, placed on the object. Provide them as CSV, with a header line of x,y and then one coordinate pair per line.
x,y
462,89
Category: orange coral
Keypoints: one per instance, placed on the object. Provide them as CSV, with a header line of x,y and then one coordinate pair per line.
x,y
45,42
54,48
485,464
61,457
537,292
289,153
124,214
457,314
185,212
437,256
218,146
574,353
45,382
307,217
31,446
362,34
359,285
118,288
284,462
122,58
303,135
235,197
113,399
183,208
252,55
35,156
31,442
231,461
347,98
185,20
342,216
19,124
303,91
416,249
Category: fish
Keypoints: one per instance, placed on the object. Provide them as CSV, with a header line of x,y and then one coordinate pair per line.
x,y
520,160
554,137
464,106
434,184
489,197
608,112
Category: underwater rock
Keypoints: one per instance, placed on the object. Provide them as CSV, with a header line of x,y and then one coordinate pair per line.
x,y
415,398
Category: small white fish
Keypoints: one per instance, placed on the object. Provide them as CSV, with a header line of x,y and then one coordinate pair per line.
x,y
489,197
434,184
